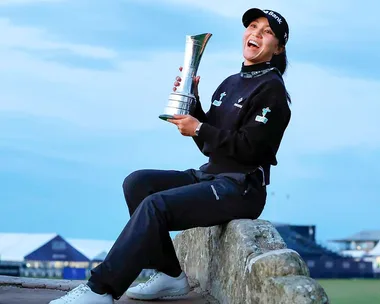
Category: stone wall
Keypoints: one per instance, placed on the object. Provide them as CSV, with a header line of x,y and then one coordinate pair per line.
x,y
246,262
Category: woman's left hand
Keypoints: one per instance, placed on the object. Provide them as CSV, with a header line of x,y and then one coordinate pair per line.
x,y
186,124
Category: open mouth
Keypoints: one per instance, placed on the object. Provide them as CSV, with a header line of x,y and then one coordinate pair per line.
x,y
252,43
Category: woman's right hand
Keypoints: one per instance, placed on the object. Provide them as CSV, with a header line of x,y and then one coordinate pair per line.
x,y
195,84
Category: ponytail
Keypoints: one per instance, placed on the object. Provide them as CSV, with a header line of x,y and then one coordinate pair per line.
x,y
280,62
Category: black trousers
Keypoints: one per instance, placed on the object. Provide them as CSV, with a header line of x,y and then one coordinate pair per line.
x,y
160,201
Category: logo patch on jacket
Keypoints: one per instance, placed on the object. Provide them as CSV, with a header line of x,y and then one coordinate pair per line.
x,y
263,119
217,103
239,102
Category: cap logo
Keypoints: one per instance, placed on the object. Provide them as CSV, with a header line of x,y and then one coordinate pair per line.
x,y
277,18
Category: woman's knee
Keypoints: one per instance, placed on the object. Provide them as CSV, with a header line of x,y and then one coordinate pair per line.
x,y
133,182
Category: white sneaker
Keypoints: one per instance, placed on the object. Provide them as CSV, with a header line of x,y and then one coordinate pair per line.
x,y
83,295
158,286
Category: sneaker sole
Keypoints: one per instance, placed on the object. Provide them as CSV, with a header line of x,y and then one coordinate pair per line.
x,y
162,294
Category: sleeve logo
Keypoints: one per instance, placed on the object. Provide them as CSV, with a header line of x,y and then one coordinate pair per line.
x,y
262,118
219,102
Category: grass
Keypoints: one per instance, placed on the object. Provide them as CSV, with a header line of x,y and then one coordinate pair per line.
x,y
354,291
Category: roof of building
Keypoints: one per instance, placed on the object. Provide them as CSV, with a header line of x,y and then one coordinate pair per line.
x,y
365,235
14,247
91,248
375,250
100,257
57,249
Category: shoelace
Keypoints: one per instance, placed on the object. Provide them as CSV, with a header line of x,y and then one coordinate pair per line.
x,y
151,279
75,293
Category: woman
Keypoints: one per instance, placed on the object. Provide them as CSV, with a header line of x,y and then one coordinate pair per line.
x,y
240,134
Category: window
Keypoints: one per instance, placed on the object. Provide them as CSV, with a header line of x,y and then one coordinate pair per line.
x,y
346,265
310,264
58,245
362,266
329,264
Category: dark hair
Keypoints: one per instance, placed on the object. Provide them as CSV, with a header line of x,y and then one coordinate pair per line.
x,y
280,62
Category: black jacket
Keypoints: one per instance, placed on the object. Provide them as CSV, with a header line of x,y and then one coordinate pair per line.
x,y
245,124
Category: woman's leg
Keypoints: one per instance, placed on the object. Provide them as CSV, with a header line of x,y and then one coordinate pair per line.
x,y
142,183
203,204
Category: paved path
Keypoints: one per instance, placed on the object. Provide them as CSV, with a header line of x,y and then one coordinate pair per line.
x,y
41,291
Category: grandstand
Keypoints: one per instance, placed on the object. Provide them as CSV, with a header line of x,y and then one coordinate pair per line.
x,y
321,261
304,244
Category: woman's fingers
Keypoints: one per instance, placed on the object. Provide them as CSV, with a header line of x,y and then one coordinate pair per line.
x,y
177,83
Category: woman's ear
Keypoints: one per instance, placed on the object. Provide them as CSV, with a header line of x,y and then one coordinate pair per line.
x,y
279,50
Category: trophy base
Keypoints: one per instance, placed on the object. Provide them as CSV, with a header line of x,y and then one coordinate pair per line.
x,y
179,104
166,117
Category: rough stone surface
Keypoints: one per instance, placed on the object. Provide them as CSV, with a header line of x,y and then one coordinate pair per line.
x,y
63,285
293,289
246,261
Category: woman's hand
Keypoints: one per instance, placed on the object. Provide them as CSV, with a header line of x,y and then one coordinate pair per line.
x,y
186,124
195,84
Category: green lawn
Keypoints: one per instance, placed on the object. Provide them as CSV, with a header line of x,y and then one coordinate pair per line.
x,y
353,291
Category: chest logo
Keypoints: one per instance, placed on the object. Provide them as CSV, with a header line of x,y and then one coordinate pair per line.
x,y
219,102
238,103
262,118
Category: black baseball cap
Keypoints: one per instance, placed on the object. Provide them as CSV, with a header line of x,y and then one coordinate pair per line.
x,y
277,22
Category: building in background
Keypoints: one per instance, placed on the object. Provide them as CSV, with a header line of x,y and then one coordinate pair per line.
x,y
362,246
321,261
52,256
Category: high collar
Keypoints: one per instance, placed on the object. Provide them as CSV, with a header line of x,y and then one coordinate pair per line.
x,y
255,67
255,70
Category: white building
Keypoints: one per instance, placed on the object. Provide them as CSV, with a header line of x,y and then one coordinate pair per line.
x,y
364,245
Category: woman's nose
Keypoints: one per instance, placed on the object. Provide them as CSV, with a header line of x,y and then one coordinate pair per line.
x,y
256,33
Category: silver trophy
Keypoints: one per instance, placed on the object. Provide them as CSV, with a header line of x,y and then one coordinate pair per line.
x,y
182,101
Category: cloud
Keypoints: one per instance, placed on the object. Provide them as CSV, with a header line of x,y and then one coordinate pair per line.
x,y
299,11
18,2
330,110
86,114
29,38
222,8
320,22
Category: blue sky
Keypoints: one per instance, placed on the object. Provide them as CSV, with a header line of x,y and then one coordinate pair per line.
x,y
83,83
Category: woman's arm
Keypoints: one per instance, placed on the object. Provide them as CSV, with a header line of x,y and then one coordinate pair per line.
x,y
263,125
202,117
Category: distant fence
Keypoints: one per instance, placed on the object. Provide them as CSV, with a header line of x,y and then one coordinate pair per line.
x,y
339,268
10,270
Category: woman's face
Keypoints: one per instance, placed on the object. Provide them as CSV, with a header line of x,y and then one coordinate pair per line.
x,y
259,42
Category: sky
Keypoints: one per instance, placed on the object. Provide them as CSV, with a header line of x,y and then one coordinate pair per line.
x,y
83,83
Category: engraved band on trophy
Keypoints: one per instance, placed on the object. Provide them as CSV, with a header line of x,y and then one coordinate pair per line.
x,y
182,101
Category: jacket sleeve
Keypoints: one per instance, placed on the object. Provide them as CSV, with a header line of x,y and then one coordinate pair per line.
x,y
202,117
198,112
264,122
